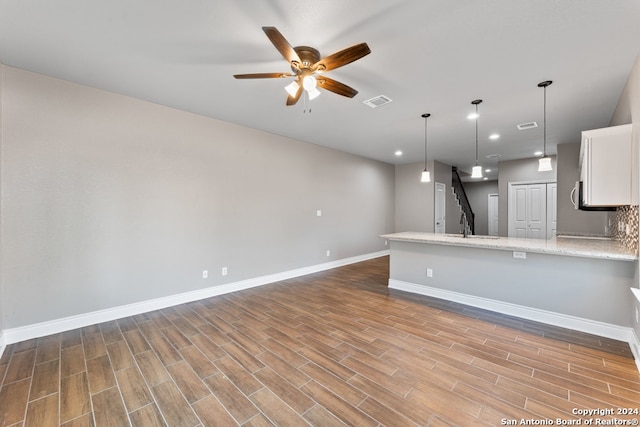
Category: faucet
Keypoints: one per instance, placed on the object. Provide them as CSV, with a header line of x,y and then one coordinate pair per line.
x,y
463,223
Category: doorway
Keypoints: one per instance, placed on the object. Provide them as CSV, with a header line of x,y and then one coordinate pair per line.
x,y
440,208
492,214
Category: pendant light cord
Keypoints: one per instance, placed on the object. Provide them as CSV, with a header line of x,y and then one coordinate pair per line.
x,y
476,134
425,143
544,129
544,85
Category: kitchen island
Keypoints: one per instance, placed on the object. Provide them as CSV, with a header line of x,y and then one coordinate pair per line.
x,y
577,283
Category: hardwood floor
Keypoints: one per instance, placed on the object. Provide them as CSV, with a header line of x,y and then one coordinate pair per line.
x,y
329,349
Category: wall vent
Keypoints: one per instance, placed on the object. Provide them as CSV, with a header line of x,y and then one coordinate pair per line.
x,y
525,126
377,101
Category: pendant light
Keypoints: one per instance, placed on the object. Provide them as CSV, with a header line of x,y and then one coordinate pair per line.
x,y
426,175
544,163
476,171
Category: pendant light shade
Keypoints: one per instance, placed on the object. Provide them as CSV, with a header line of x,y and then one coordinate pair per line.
x,y
476,171
426,175
544,163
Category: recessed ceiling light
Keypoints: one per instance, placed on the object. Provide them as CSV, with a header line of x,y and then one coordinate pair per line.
x,y
538,153
473,116
398,153
485,178
493,156
494,136
487,170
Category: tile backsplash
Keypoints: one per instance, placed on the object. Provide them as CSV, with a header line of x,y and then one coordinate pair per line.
x,y
625,227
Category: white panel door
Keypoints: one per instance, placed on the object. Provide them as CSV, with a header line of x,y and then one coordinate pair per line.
x,y
518,215
537,211
552,210
440,208
532,211
493,214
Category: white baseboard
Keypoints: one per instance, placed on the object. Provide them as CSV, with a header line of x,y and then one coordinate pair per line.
x,y
602,329
23,333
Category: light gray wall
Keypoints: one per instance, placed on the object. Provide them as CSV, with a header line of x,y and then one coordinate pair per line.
x,y
1,246
443,175
594,289
628,111
478,194
524,170
109,200
570,220
414,199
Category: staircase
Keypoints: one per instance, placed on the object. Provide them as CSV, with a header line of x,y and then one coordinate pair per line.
x,y
467,215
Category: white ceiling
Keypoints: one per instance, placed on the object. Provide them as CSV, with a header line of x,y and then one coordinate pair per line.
x,y
432,56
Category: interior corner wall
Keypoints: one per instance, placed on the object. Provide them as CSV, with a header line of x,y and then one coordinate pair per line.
x,y
524,170
570,220
478,194
1,249
414,200
452,209
109,200
628,111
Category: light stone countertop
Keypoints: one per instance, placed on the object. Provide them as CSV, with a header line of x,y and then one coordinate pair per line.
x,y
567,245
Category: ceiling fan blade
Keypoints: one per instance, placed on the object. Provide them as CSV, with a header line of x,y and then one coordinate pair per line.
x,y
336,87
262,76
281,44
343,57
292,100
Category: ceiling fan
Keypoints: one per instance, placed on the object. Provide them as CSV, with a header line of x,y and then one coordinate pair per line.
x,y
307,67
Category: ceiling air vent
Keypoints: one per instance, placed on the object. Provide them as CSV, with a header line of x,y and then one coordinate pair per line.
x,y
525,126
377,101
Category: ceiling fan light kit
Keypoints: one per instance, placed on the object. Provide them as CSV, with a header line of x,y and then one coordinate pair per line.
x,y
544,163
306,68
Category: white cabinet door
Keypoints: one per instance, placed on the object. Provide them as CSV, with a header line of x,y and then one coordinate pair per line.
x,y
605,166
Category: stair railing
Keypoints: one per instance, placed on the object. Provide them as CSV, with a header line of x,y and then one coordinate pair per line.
x,y
458,188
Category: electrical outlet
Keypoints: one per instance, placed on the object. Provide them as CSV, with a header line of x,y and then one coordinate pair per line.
x,y
520,255
224,271
205,274
429,272
318,212
637,317
328,252
386,242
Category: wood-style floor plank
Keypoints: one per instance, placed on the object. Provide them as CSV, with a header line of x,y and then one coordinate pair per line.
x,y
335,348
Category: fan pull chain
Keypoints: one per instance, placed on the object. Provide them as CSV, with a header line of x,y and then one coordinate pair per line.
x,y
306,102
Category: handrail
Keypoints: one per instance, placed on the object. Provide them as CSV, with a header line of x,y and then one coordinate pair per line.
x,y
458,188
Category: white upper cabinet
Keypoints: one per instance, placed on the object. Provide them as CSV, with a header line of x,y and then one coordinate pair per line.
x,y
606,166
